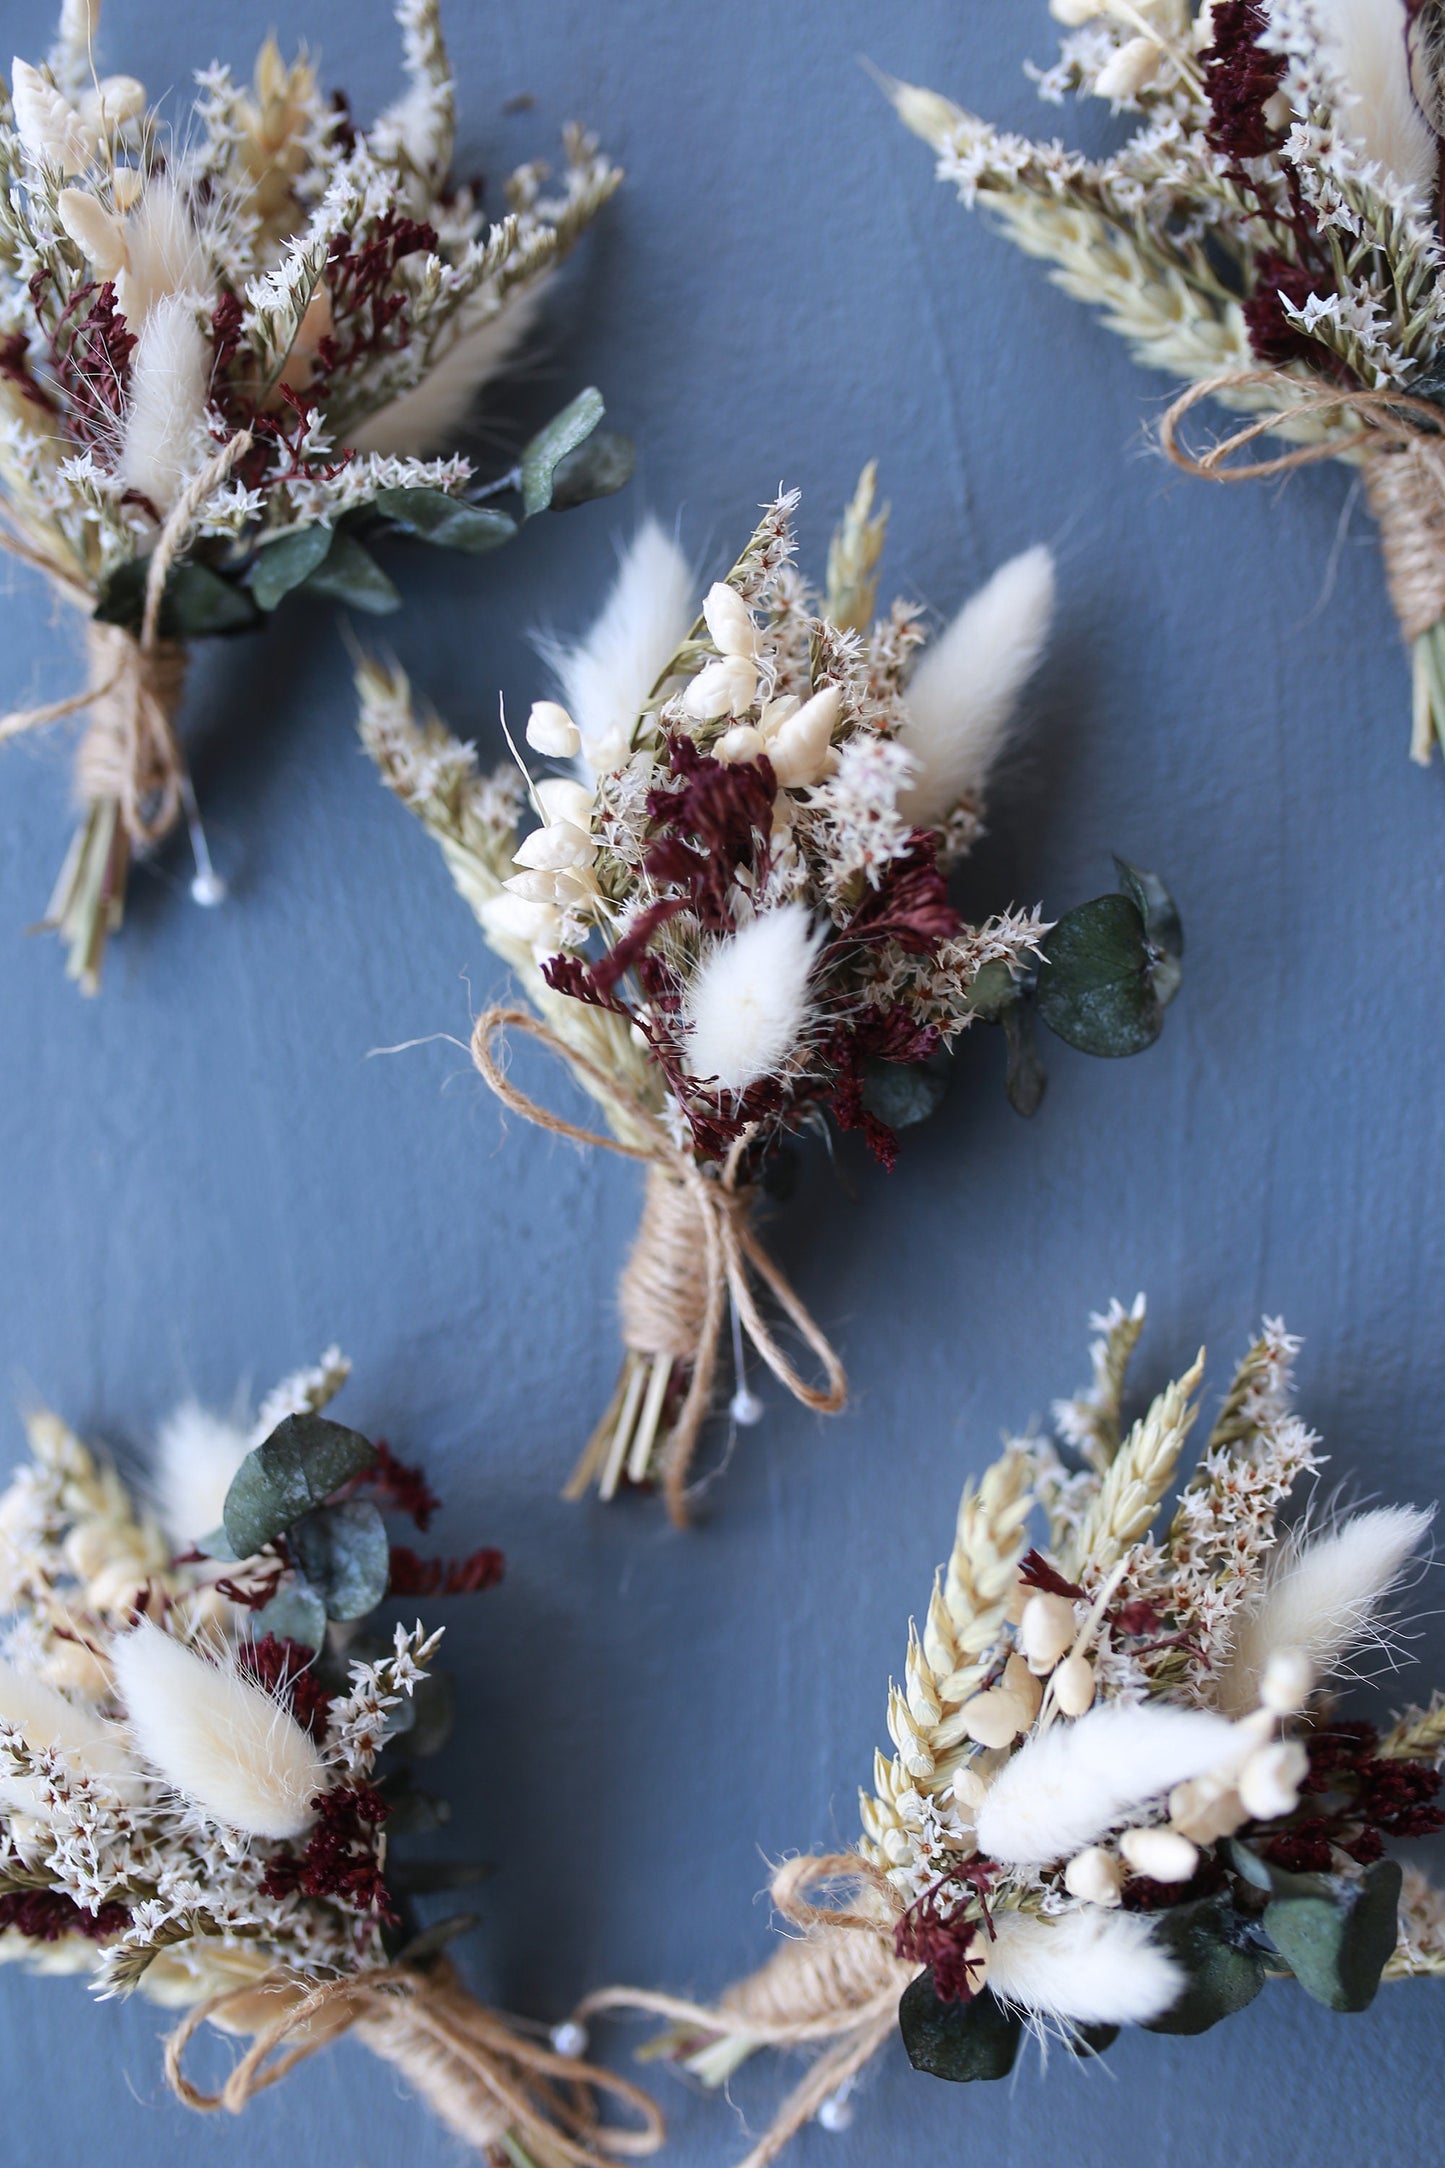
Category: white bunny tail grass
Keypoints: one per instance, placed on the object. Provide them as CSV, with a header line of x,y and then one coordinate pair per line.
x,y
1322,1596
216,1737
44,1719
1084,1968
164,439
747,1007
1366,42
196,1456
1073,1782
430,414
964,694
607,676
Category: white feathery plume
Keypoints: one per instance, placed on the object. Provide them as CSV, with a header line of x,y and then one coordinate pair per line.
x,y
607,676
45,1718
216,1737
49,128
164,437
163,253
70,56
964,694
1365,40
430,414
1070,1784
196,1456
747,1005
1088,1967
1321,1597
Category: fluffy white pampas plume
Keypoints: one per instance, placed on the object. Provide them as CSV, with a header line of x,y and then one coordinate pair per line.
x,y
1086,1967
1073,1782
964,694
164,439
607,676
427,417
1367,40
1322,1597
748,1003
196,1455
216,1737
45,1718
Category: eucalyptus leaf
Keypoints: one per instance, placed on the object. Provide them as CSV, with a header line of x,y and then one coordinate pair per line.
x,y
350,574
217,1545
1338,1944
1208,1941
599,467
1088,2041
901,1093
1095,988
424,1877
304,1460
295,1613
1027,1079
285,563
547,450
430,1943
447,522
959,2041
1163,927
993,991
431,1710
344,1554
197,601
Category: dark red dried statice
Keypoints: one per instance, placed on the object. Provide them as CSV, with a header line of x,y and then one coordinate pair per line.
x,y
368,310
928,1934
1036,1572
712,826
1365,1800
1240,78
1274,335
90,352
398,1487
339,1860
414,1576
48,1915
284,1669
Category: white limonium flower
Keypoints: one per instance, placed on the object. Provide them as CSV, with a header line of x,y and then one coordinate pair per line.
x,y
963,696
747,1005
217,1737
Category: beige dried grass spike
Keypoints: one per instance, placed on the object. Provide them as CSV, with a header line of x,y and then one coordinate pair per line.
x,y
1131,1491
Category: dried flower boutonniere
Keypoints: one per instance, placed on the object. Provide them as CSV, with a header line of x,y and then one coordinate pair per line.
x,y
729,912
1119,1792
1270,232
230,352
206,1747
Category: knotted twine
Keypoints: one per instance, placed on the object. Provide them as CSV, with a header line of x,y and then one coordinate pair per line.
x,y
1402,449
484,2079
836,1986
129,755
694,1250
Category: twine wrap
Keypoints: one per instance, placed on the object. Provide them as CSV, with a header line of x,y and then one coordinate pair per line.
x,y
484,2079
129,753
835,1986
694,1251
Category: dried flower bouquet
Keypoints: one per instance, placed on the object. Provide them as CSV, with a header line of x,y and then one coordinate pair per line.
x,y
229,351
1119,1792
1270,231
206,1748
729,914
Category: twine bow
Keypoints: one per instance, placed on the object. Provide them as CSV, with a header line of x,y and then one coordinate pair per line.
x,y
835,1985
1401,441
709,1247
483,2078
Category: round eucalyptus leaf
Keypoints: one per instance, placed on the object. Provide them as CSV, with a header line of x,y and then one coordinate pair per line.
x,y
350,574
286,562
344,1554
197,601
304,1460
992,991
1337,1945
960,2041
597,468
1163,927
550,446
1027,1078
295,1613
901,1093
1222,1974
1095,990
446,522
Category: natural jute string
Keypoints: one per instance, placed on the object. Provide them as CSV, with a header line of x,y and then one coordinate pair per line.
x,y
695,1248
1403,449
483,2079
130,753
836,1985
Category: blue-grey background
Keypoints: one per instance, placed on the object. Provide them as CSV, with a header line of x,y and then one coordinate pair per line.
x,y
203,1177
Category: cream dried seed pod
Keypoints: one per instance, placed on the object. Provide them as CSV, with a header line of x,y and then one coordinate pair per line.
x,y
551,730
1018,1679
1073,1684
1094,1876
1046,1629
730,622
995,1718
1162,1855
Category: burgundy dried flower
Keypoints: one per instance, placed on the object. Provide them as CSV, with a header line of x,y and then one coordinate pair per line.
x,y
284,1669
340,1857
413,1576
1240,78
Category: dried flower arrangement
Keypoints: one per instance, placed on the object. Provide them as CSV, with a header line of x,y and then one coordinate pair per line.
x,y
229,350
732,921
1270,231
1119,1793
206,1751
